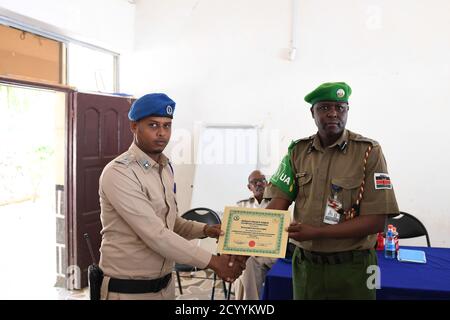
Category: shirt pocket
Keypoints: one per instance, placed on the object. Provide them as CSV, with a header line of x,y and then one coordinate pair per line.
x,y
304,182
349,189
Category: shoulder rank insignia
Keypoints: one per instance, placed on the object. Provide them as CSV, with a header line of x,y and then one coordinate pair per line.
x,y
125,159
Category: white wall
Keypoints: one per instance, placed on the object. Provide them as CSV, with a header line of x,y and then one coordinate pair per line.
x,y
105,23
226,61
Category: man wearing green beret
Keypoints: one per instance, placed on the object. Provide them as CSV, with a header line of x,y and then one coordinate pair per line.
x,y
342,192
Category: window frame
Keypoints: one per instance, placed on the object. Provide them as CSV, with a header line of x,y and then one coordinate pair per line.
x,y
65,40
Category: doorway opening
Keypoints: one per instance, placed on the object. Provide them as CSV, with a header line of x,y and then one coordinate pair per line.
x,y
32,177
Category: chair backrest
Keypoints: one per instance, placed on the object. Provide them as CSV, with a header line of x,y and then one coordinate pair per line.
x,y
408,226
208,216
204,215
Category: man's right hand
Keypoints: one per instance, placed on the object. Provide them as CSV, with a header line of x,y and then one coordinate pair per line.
x,y
226,270
241,260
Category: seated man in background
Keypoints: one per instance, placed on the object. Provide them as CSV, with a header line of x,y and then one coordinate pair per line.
x,y
248,285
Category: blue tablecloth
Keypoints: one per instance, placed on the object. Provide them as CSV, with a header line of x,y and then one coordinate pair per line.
x,y
399,280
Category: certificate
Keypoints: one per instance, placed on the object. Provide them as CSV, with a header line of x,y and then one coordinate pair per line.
x,y
254,232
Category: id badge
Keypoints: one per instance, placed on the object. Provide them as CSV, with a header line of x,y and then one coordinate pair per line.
x,y
331,215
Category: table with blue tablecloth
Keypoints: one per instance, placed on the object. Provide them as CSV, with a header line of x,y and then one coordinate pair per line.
x,y
399,280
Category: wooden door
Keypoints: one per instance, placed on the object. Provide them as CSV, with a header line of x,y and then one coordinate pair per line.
x,y
98,131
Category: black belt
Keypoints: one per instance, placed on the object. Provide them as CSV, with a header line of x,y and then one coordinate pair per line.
x,y
330,258
138,286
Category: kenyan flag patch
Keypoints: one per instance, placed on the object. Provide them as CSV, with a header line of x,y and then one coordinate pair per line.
x,y
382,181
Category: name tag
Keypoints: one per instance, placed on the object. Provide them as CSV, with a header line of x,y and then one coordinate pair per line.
x,y
333,204
331,216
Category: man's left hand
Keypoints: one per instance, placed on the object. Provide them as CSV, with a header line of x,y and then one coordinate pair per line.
x,y
213,231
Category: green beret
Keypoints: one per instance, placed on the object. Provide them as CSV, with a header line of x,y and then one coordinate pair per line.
x,y
329,91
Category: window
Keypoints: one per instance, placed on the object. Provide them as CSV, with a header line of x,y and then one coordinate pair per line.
x,y
30,56
90,69
38,56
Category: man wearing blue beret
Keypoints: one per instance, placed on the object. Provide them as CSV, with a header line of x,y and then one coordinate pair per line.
x,y
342,192
142,234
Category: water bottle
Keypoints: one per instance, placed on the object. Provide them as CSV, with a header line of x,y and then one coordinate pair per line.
x,y
397,246
389,246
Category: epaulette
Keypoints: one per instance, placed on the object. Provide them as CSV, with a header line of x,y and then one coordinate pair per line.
x,y
360,138
125,158
307,138
245,200
294,143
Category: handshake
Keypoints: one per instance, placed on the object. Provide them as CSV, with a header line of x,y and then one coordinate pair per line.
x,y
227,267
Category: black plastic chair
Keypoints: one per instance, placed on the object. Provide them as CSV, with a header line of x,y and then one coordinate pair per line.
x,y
203,215
408,227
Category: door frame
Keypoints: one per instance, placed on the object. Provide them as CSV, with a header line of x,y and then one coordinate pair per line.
x,y
68,163
76,268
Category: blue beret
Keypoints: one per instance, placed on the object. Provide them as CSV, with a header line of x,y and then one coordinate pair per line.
x,y
152,104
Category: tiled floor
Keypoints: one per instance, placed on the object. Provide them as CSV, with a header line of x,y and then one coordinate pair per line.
x,y
198,288
194,288
64,294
